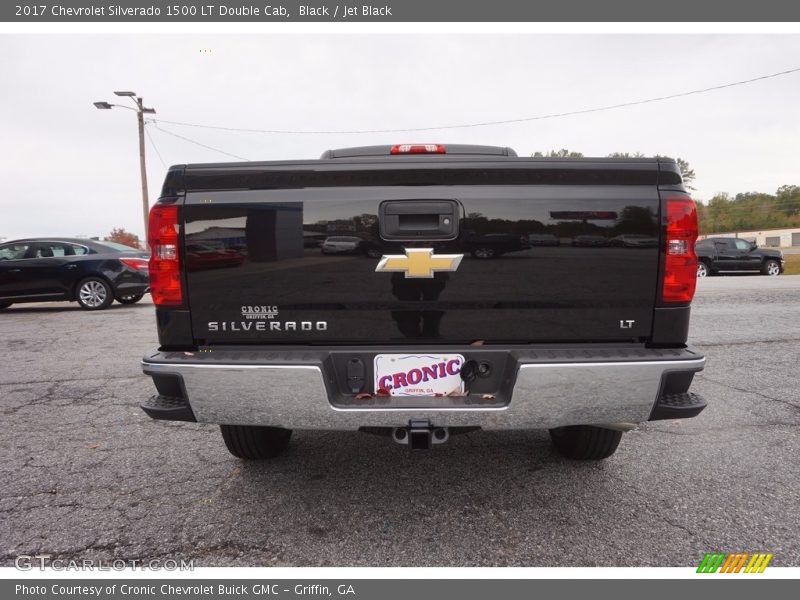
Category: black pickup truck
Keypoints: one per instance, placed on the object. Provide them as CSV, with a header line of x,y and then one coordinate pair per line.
x,y
717,255
419,339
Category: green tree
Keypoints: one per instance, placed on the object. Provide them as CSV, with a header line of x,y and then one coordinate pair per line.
x,y
687,173
750,211
788,199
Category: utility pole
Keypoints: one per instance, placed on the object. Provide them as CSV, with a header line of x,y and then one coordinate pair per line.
x,y
143,168
140,112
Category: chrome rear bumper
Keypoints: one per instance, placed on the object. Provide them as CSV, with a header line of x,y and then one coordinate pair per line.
x,y
549,388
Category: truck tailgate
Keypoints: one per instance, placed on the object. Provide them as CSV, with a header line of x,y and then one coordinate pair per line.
x,y
554,263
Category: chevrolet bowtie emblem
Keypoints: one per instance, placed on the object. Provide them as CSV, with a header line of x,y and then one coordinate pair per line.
x,y
418,263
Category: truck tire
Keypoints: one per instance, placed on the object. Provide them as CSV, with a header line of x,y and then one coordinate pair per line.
x,y
94,293
250,442
585,442
771,267
703,270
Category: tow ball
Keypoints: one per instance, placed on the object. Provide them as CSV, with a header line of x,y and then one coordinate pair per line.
x,y
420,435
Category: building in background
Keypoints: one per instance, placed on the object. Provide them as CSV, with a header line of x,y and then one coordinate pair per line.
x,y
769,238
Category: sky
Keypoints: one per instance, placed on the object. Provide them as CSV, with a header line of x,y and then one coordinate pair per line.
x,y
69,169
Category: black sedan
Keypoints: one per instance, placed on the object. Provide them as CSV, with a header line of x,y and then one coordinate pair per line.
x,y
90,272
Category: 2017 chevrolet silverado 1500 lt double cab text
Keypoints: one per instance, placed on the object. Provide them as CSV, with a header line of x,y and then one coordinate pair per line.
x,y
418,338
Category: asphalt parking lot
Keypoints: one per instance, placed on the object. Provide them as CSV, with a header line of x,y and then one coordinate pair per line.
x,y
85,474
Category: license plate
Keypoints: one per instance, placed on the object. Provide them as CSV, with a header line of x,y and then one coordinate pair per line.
x,y
419,374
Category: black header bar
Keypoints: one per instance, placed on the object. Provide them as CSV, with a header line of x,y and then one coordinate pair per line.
x,y
391,11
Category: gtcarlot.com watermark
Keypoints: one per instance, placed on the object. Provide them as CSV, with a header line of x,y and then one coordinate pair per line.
x,y
27,562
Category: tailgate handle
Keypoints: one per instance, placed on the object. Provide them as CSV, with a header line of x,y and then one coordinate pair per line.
x,y
418,219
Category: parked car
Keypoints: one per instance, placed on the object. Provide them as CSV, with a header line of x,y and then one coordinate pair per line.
x,y
589,241
543,239
341,244
735,255
92,273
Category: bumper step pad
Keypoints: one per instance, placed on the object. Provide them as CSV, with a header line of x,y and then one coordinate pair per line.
x,y
678,406
168,408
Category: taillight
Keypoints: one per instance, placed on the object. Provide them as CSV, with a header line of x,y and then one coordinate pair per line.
x,y
680,261
165,272
419,149
137,264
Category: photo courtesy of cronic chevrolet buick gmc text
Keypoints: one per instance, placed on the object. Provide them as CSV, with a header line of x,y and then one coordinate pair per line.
x,y
733,255
422,337
90,272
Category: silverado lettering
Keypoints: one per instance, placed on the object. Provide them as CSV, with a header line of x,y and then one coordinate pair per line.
x,y
267,326
434,289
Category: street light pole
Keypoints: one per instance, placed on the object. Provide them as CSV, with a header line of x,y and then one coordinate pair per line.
x,y
140,111
142,168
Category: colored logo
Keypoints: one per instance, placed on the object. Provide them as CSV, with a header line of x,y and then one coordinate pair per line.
x,y
738,562
419,375
418,263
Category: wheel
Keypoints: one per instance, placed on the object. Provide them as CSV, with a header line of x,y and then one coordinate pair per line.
x,y
4,305
771,268
94,293
585,442
131,299
484,253
703,270
253,443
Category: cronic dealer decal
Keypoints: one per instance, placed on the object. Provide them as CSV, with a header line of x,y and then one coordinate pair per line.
x,y
261,317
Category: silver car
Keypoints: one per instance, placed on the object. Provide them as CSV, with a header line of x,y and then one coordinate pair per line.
x,y
341,245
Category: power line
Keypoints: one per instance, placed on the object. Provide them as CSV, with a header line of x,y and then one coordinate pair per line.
x,y
489,123
196,142
153,144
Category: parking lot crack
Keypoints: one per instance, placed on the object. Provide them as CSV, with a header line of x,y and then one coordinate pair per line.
x,y
747,391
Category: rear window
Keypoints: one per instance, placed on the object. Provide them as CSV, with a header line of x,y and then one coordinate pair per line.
x,y
13,251
57,249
